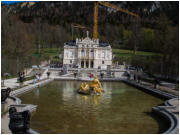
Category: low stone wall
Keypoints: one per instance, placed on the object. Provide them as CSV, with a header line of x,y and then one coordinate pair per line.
x,y
23,107
146,89
15,102
10,100
163,112
87,79
168,102
30,87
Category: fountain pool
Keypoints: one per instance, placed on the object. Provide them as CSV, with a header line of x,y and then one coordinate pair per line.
x,y
122,109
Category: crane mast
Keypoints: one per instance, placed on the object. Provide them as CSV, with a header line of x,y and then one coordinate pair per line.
x,y
95,27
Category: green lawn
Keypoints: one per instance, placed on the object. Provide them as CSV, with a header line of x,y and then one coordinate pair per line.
x,y
27,79
4,78
128,56
129,53
51,53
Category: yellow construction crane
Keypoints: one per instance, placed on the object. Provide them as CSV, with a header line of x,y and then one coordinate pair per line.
x,y
74,25
95,27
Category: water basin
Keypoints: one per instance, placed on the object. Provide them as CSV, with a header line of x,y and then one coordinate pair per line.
x,y
122,109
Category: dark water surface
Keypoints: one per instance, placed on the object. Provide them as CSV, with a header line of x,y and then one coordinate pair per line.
x,y
121,109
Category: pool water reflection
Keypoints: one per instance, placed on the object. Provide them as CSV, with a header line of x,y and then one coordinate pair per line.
x,y
121,109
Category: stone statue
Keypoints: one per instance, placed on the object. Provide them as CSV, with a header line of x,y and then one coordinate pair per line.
x,y
19,121
5,94
92,87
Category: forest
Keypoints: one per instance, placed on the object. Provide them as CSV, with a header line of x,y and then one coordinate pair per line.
x,y
27,27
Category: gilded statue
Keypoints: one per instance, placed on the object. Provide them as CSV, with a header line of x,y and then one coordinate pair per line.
x,y
92,87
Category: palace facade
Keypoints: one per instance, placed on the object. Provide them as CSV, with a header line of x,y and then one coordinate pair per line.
x,y
87,53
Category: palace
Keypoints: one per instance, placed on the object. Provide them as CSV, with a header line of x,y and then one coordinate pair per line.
x,y
87,53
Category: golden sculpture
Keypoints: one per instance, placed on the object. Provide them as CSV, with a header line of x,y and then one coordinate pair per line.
x,y
92,87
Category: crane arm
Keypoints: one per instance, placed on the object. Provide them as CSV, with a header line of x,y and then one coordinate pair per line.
x,y
74,25
78,26
106,4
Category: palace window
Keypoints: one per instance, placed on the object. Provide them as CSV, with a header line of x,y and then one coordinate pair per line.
x,y
71,54
70,61
103,54
91,53
102,62
82,53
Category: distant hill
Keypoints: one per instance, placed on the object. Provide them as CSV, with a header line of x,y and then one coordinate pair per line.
x,y
62,14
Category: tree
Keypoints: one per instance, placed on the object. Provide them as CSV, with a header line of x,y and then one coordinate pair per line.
x,y
148,38
15,40
167,38
136,36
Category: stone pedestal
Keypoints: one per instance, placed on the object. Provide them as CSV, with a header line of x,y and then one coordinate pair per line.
x,y
4,107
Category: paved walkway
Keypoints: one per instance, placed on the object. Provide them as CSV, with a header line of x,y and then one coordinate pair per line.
x,y
162,87
12,83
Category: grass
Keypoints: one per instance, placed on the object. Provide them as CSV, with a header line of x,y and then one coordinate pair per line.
x,y
130,53
27,79
51,53
4,78
128,56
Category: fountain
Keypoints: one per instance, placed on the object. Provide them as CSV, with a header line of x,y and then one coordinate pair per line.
x,y
120,109
94,87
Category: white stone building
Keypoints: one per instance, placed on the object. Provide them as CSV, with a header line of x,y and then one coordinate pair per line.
x,y
87,53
